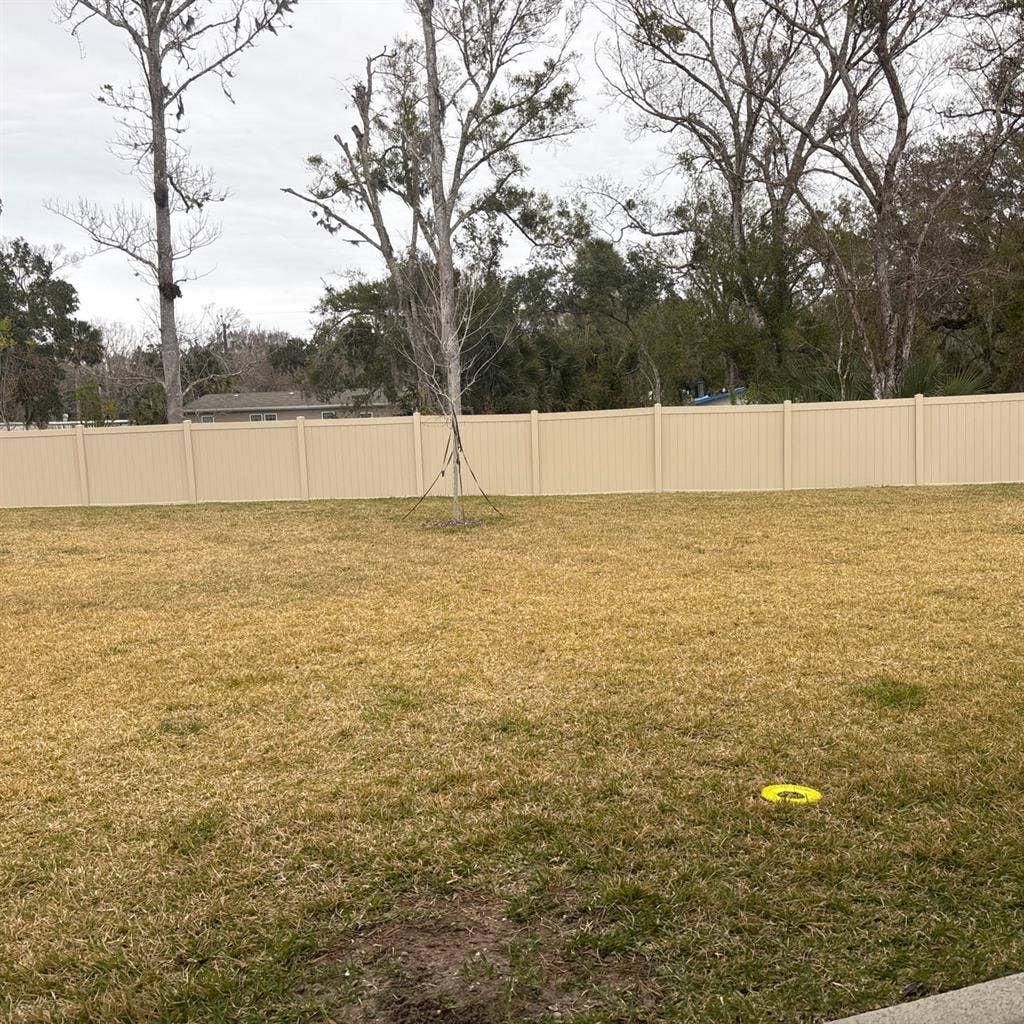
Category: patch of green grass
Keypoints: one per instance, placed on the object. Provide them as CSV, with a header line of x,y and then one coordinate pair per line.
x,y
951,593
249,681
391,703
507,726
888,694
240,758
624,918
538,898
181,725
190,835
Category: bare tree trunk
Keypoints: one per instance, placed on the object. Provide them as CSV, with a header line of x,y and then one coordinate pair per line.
x,y
424,393
421,359
447,316
740,251
878,384
174,44
454,371
655,376
780,282
166,286
453,374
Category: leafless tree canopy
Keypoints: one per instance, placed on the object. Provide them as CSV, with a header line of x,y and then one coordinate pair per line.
x,y
820,109
441,122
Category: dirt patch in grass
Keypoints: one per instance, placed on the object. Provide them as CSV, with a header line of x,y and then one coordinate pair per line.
x,y
465,961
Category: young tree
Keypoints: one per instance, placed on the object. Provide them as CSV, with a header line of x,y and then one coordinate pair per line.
x,y
174,44
441,122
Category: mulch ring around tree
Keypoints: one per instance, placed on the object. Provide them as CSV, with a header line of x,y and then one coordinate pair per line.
x,y
452,524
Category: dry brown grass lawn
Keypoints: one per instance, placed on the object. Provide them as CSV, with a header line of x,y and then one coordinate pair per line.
x,y
310,762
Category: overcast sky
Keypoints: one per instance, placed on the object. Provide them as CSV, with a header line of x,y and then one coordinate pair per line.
x,y
270,260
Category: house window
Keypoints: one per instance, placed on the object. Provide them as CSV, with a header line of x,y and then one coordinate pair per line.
x,y
206,419
328,414
269,416
255,417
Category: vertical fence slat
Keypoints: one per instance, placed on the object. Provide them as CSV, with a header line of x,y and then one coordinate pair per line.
x,y
190,461
83,466
658,462
534,452
787,445
417,445
300,430
918,439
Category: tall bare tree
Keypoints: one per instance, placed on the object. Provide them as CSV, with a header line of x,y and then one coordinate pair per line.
x,y
703,73
174,44
926,75
440,124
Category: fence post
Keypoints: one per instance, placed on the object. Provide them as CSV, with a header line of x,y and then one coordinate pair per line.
x,y
787,445
657,449
83,469
417,447
300,427
534,452
918,439
190,461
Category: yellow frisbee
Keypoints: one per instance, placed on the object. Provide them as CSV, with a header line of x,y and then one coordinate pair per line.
x,y
787,794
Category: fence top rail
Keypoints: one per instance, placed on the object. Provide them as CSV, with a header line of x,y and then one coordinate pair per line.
x,y
865,403
67,435
1015,396
487,417
148,428
718,410
341,421
521,418
590,414
896,403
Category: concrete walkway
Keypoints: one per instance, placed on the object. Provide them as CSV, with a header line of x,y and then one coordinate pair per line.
x,y
994,1002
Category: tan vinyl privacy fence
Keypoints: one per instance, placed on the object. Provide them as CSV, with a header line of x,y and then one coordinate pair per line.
x,y
729,448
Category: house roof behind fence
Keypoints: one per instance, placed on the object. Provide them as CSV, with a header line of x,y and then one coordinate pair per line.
x,y
255,401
